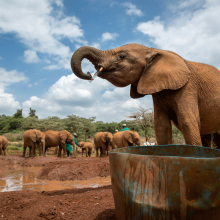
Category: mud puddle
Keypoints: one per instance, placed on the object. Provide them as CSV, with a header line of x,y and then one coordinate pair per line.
x,y
18,179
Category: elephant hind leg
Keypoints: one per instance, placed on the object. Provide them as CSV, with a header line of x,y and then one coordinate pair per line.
x,y
0,151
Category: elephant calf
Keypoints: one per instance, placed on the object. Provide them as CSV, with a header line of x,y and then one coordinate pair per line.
x,y
3,144
86,146
32,138
126,138
103,141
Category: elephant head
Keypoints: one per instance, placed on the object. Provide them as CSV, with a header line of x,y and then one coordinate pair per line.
x,y
107,137
66,137
132,137
147,70
81,144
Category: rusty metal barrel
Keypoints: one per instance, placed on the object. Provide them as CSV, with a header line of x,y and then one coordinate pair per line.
x,y
167,182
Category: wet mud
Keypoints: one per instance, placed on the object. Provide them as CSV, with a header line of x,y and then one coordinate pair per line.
x,y
55,188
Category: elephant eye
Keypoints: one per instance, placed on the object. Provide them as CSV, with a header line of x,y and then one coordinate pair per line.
x,y
121,56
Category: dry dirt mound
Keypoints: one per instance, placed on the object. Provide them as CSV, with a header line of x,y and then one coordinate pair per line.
x,y
76,169
77,204
42,161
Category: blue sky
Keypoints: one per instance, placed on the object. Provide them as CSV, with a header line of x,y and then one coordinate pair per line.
x,y
37,39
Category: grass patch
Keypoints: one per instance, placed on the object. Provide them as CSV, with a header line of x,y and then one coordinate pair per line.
x,y
13,148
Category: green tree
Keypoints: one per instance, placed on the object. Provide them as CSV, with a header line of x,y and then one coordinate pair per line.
x,y
32,113
18,114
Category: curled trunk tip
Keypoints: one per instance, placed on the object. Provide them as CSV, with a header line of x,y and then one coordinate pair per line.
x,y
90,53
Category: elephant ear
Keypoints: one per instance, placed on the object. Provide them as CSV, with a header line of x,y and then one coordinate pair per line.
x,y
128,136
33,136
134,94
63,136
104,137
164,70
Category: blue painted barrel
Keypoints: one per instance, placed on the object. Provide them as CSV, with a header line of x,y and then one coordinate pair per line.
x,y
167,182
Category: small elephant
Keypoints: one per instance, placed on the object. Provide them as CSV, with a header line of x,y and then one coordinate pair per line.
x,y
3,144
58,138
126,138
86,146
185,93
32,138
102,141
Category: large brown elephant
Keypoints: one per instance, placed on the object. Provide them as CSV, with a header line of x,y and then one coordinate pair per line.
x,y
87,147
184,92
58,138
126,138
3,144
32,138
103,141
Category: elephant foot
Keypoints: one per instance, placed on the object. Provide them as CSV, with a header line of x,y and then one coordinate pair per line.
x,y
58,155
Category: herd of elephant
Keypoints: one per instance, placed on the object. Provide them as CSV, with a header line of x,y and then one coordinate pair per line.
x,y
103,141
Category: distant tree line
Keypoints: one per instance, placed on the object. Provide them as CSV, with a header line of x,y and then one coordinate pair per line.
x,y
141,120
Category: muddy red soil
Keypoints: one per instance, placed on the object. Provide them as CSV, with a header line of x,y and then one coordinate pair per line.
x,y
87,203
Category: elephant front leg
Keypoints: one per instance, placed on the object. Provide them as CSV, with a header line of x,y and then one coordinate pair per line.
x,y
189,124
97,154
0,151
64,150
86,152
163,128
59,151
24,151
82,152
40,147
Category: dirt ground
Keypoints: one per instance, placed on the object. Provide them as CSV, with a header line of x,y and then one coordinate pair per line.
x,y
87,203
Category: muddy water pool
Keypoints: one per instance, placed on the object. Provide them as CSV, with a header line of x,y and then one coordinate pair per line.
x,y
17,178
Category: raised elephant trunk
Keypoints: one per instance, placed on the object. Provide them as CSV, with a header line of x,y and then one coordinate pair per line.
x,y
92,54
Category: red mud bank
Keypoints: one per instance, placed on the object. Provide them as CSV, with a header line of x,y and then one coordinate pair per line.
x,y
77,204
75,169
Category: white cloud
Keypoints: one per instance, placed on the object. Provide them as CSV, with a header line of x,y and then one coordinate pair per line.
x,y
34,24
109,36
43,106
29,85
9,77
30,56
195,35
70,95
0,58
8,104
132,9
